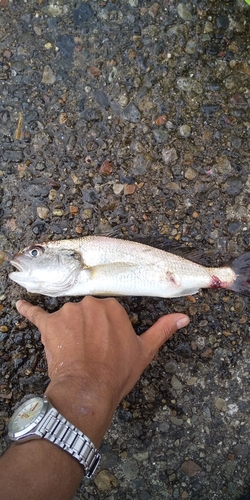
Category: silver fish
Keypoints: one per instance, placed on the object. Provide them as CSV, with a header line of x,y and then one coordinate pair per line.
x,y
98,265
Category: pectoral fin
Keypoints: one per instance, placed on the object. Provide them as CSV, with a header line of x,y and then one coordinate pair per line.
x,y
113,269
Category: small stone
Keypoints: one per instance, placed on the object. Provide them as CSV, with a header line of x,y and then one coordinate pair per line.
x,y
73,209
154,9
185,130
4,329
52,195
87,214
169,156
78,229
220,404
101,98
184,12
49,76
63,118
42,212
222,22
130,468
190,468
191,381
170,366
82,14
106,168
208,353
94,71
241,450
161,120
48,46
133,3
208,28
2,257
189,84
118,188
177,421
190,174
66,45
131,113
176,384
58,212
129,189
105,480
160,135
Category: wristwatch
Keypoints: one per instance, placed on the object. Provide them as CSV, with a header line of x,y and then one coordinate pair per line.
x,y
36,418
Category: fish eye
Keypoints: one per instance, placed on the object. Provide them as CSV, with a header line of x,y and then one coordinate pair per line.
x,y
36,251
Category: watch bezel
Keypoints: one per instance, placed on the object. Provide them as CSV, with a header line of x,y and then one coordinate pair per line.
x,y
26,432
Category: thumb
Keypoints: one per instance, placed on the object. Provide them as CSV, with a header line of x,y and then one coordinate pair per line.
x,y
161,331
35,314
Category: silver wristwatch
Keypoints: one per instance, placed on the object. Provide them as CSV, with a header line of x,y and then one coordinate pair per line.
x,y
37,419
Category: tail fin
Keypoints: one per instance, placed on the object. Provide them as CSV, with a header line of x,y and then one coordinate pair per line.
x,y
241,267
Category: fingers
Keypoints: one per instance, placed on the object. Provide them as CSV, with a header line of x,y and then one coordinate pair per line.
x,y
160,332
35,314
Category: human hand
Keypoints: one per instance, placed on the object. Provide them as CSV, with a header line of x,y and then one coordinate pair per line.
x,y
94,357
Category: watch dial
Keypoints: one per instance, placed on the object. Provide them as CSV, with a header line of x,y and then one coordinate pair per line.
x,y
26,414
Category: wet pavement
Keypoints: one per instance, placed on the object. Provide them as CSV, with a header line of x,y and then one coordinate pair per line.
x,y
131,118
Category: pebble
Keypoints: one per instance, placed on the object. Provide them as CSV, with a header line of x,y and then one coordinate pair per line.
x,y
105,480
160,135
220,404
169,156
189,84
130,468
2,257
131,113
129,189
185,130
190,174
106,168
66,45
49,76
222,22
233,185
83,13
184,12
177,421
208,28
176,384
101,99
170,366
190,468
42,212
58,212
241,450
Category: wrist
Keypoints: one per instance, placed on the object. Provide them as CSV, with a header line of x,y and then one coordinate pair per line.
x,y
85,408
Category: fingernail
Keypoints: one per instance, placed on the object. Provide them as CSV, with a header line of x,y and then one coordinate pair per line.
x,y
18,304
182,322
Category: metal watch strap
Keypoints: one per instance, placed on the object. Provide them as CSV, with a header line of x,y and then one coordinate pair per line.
x,y
59,431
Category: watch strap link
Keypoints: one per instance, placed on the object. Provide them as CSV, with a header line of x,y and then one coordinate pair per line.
x,y
59,431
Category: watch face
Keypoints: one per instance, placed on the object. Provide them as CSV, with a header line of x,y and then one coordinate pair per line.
x,y
26,417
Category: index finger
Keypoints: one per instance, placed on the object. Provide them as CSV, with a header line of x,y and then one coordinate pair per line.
x,y
35,314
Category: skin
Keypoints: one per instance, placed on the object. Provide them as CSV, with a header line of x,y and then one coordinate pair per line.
x,y
94,359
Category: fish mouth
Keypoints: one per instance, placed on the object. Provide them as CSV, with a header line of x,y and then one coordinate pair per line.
x,y
16,265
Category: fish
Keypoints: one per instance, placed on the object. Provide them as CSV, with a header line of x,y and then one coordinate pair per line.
x,y
106,266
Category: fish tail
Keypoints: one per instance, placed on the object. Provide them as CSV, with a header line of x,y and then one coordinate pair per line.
x,y
241,267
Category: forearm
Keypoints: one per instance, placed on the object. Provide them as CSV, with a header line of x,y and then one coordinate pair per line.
x,y
38,469
41,470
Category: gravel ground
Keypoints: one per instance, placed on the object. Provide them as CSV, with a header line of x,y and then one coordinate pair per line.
x,y
131,117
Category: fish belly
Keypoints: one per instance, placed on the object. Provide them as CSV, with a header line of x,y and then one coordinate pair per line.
x,y
157,279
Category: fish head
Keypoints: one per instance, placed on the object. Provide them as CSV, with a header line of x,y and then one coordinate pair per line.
x,y
47,269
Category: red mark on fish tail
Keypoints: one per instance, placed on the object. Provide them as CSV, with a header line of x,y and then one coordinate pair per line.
x,y
217,283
